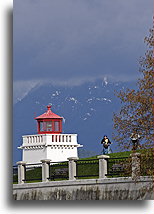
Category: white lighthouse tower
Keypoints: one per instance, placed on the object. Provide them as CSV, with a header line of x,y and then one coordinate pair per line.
x,y
49,143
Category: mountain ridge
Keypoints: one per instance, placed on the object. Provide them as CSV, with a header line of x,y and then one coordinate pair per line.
x,y
87,110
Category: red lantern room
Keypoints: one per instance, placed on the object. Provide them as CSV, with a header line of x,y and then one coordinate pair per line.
x,y
49,123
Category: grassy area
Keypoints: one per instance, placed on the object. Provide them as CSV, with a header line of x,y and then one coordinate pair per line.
x,y
120,154
112,155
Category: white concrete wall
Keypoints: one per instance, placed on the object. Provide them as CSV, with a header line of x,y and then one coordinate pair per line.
x,y
61,153
34,155
87,189
57,147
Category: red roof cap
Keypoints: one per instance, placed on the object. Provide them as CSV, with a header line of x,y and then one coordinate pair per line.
x,y
48,114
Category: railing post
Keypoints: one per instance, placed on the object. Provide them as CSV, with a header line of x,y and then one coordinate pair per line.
x,y
21,171
45,170
72,167
135,165
102,165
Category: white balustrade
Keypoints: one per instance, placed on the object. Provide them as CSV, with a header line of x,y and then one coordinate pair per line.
x,y
62,138
30,140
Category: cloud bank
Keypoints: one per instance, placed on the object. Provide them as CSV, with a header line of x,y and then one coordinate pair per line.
x,y
75,41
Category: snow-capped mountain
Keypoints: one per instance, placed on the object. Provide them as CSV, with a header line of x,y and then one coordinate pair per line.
x,y
87,110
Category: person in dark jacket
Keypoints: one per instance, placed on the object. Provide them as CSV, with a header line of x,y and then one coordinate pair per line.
x,y
106,145
135,140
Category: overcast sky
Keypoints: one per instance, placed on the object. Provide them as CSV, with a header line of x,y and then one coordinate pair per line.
x,y
73,41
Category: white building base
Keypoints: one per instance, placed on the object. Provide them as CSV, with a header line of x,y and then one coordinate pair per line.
x,y
57,147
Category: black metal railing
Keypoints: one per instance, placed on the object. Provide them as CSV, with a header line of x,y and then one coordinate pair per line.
x,y
119,167
15,174
58,171
87,168
33,172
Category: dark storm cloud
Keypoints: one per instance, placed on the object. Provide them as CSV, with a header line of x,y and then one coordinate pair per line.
x,y
74,41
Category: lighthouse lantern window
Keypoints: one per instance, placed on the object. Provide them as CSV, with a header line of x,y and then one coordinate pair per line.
x,y
49,126
45,126
41,126
56,126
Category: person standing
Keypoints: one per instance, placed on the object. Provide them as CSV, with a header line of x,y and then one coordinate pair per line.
x,y
106,145
135,139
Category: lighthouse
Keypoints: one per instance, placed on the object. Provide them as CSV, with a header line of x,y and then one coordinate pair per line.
x,y
49,142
